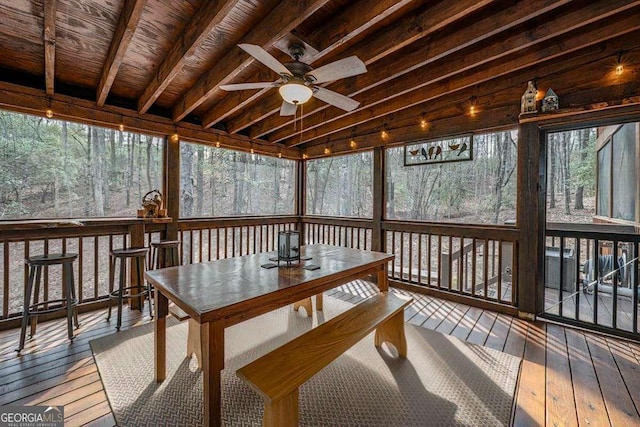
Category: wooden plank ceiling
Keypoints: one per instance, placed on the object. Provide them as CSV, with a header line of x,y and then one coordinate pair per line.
x,y
427,61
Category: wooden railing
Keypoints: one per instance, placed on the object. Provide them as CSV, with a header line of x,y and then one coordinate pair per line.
x,y
211,239
351,233
92,239
594,283
474,261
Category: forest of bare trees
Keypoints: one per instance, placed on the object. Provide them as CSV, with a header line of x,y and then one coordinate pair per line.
x,y
220,182
56,169
52,168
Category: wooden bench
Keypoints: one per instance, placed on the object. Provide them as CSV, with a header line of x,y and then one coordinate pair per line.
x,y
278,375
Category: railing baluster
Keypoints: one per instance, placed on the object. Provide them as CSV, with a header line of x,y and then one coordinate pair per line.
x,y
485,268
420,237
200,246
614,265
46,274
596,278
561,282
474,268
5,278
80,268
209,245
577,279
429,261
410,256
634,288
500,268
449,285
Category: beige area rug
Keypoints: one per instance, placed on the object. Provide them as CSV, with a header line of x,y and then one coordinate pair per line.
x,y
443,382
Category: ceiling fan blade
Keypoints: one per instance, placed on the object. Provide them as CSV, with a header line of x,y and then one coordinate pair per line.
x,y
288,109
347,67
245,86
265,57
336,99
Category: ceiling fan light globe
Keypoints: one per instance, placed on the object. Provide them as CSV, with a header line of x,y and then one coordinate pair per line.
x,y
295,93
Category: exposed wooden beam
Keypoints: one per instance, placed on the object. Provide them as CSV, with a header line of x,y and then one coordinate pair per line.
x,y
386,42
438,47
574,79
355,20
127,24
206,19
49,45
497,60
282,19
33,101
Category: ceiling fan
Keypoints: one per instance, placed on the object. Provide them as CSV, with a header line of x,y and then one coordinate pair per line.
x,y
297,82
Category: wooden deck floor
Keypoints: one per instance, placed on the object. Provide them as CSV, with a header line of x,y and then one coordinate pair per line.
x,y
568,377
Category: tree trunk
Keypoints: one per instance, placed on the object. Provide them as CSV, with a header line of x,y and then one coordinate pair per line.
x,y
583,146
199,180
98,172
186,180
149,146
566,179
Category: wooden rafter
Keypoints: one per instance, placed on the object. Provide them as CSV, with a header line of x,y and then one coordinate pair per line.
x,y
438,48
352,22
211,14
282,19
127,24
49,45
409,30
472,67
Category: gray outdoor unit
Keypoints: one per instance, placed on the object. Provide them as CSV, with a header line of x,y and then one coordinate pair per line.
x,y
552,269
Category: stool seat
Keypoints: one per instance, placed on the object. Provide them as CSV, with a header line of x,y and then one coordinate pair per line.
x,y
166,244
36,307
129,252
51,259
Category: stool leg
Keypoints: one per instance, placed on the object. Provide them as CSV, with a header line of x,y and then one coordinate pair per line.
x,y
140,279
67,283
73,296
112,273
121,282
25,311
33,319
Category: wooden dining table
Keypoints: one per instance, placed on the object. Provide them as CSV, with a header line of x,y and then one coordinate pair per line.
x,y
222,293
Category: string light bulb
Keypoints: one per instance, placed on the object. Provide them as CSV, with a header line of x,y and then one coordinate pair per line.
x,y
217,144
49,113
327,150
175,137
279,154
472,106
384,134
121,127
423,122
619,65
304,156
252,150
353,144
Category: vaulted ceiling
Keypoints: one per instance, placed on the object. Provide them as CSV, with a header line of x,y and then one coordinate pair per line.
x,y
427,61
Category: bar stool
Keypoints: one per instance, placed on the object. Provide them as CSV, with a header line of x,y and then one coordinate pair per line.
x,y
31,311
138,258
164,254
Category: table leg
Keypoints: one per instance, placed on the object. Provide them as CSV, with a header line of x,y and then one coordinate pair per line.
x,y
160,336
319,302
383,279
212,336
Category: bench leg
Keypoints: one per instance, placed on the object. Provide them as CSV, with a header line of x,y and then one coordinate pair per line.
x,y
392,331
319,302
306,303
283,413
194,343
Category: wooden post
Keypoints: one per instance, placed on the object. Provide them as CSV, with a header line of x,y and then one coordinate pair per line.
x,y
172,185
377,236
531,218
